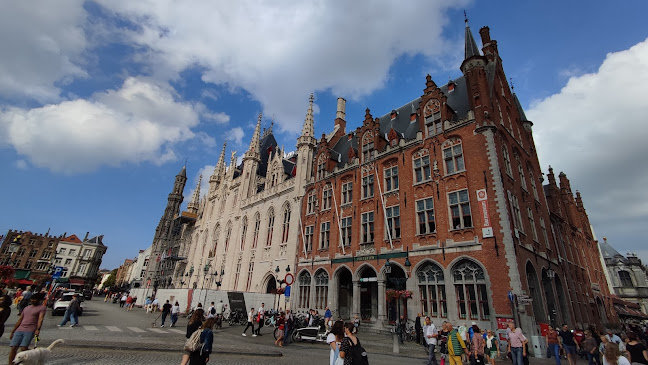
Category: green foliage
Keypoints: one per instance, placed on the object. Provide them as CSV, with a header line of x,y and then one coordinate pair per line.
x,y
110,282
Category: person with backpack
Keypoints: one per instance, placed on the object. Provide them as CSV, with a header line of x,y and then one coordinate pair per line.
x,y
211,313
193,325
200,356
456,345
351,350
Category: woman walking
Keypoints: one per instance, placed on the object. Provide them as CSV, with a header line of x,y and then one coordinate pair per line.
x,y
194,324
348,343
553,344
492,347
591,348
201,356
477,346
636,350
281,324
334,339
175,310
612,355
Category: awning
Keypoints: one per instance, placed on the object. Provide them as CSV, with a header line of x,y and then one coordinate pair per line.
x,y
21,274
20,281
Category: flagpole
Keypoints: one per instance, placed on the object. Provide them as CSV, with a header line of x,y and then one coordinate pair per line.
x,y
382,200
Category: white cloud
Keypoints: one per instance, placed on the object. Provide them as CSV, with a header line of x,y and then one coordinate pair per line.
x,y
595,130
218,117
139,122
42,45
280,52
206,172
236,134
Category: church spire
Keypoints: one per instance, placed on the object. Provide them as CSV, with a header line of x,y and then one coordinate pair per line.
x,y
192,207
220,166
254,151
471,49
309,129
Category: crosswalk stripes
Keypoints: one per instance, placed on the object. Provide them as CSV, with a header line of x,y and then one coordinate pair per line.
x,y
177,330
113,329
157,330
91,328
135,329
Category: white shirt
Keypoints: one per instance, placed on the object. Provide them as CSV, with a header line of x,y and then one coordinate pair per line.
x,y
262,311
622,361
175,309
251,315
616,339
209,312
429,331
219,308
331,338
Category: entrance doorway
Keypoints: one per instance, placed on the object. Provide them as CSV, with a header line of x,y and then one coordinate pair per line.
x,y
272,285
396,307
368,294
345,293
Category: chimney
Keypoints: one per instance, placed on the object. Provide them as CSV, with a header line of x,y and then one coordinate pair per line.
x,y
451,86
485,35
86,236
341,114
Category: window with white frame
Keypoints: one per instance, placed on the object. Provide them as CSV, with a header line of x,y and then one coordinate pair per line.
x,y
507,160
367,227
311,203
533,183
453,159
515,211
432,113
460,209
271,219
257,226
347,192
28,265
321,289
391,179
425,216
393,221
286,225
367,147
326,197
304,290
520,166
431,283
308,237
41,266
534,232
325,235
368,186
422,169
345,224
33,253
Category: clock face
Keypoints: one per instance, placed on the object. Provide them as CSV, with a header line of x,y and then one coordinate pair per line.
x,y
432,106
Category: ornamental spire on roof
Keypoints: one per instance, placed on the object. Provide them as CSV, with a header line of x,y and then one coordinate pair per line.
x,y
254,144
192,207
309,123
471,49
220,166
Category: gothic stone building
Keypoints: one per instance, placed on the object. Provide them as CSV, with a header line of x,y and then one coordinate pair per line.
x,y
441,197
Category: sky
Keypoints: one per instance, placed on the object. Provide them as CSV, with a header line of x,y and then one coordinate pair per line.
x,y
102,102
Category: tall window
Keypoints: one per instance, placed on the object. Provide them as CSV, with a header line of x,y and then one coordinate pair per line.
x,y
533,183
345,224
470,287
368,186
431,283
367,147
507,160
286,225
243,233
212,252
460,209
626,279
391,178
543,228
228,235
518,160
326,197
308,236
393,221
367,227
312,199
534,231
325,235
425,216
321,289
257,226
271,218
238,273
249,279
304,290
515,211
347,192
453,159
33,253
432,112
422,169
321,167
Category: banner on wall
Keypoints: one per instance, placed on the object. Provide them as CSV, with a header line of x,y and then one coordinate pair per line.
x,y
236,301
482,199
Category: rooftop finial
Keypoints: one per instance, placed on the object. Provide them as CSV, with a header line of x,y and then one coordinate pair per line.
x,y
512,85
465,18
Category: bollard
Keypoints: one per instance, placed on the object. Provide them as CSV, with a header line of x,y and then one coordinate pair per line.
x,y
396,342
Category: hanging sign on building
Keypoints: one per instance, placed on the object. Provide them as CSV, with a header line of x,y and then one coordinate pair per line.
x,y
482,198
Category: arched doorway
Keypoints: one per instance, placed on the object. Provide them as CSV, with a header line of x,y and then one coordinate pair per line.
x,y
368,294
271,286
535,294
551,298
345,293
396,280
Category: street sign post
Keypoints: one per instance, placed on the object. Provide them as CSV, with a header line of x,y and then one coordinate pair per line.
x,y
57,272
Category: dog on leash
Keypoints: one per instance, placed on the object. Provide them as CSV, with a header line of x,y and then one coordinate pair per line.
x,y
37,356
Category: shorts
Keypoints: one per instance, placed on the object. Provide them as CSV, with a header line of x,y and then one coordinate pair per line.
x,y
493,354
22,339
569,349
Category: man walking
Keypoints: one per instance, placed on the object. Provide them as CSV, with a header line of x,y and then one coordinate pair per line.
x,y
456,345
569,344
261,318
402,327
431,335
327,317
72,311
418,328
211,312
250,323
28,325
166,309
516,343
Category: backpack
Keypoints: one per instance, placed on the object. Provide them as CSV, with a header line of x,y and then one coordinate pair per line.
x,y
358,354
193,342
213,311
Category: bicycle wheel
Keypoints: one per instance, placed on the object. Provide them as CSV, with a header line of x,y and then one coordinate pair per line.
x,y
277,332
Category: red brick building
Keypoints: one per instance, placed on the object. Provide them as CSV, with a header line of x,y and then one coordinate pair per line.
x,y
30,254
443,197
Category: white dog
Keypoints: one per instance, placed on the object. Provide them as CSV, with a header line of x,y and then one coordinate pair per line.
x,y
37,356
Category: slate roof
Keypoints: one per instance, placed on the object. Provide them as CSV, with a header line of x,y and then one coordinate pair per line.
x,y
95,240
609,252
267,144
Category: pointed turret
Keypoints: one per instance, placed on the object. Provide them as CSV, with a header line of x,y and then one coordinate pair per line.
x,y
193,205
253,151
183,172
471,49
220,166
309,124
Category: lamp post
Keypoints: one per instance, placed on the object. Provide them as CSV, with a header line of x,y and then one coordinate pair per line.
x,y
219,282
280,282
189,275
205,272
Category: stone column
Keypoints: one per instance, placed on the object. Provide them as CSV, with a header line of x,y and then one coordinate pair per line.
x,y
356,299
382,311
332,301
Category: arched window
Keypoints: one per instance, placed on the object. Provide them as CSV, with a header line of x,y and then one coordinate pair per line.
x,y
453,158
243,232
431,283
304,290
327,196
470,288
520,166
321,167
533,182
271,218
286,224
507,160
321,289
257,225
625,278
367,147
212,252
228,234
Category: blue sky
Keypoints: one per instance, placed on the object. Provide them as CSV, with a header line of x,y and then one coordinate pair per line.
x,y
101,102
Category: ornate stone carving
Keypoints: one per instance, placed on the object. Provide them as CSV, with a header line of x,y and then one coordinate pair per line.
x,y
420,153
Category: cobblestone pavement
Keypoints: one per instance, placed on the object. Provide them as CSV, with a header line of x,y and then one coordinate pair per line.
x,y
110,335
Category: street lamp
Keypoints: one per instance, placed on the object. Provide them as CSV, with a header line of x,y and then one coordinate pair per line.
x,y
280,282
408,266
219,282
206,272
189,274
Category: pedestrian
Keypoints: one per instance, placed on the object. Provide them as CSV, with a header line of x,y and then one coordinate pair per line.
x,y
604,342
477,346
569,344
492,347
220,308
193,325
175,311
211,312
334,339
260,318
356,322
129,301
122,301
591,348
201,356
72,312
327,318
290,323
147,304
166,309
5,311
442,342
418,327
636,350
23,302
28,325
155,305
351,348
553,344
516,343
133,303
402,327
250,323
281,325
612,356
611,337
430,336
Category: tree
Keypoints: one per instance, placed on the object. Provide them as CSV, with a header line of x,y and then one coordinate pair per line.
x,y
110,282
